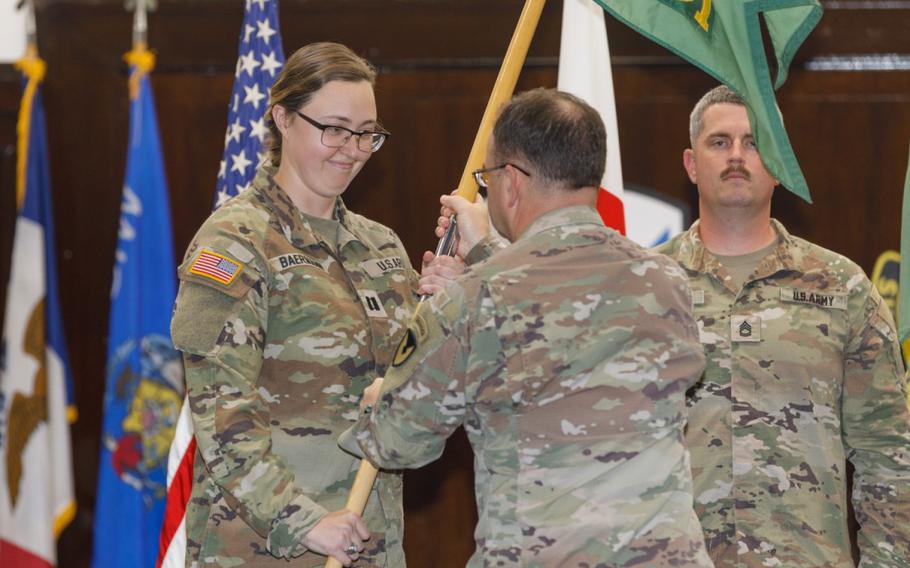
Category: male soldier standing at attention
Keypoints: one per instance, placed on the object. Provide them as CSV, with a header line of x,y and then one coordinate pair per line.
x,y
566,356
804,372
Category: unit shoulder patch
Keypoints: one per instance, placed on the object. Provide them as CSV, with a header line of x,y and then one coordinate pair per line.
x,y
405,348
417,333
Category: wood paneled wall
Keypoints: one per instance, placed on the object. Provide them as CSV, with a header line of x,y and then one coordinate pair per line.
x,y
438,60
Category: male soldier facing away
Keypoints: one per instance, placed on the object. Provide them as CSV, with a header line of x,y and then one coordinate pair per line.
x,y
803,372
565,356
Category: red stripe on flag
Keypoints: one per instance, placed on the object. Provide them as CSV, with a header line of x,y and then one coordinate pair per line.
x,y
213,265
611,210
15,557
178,495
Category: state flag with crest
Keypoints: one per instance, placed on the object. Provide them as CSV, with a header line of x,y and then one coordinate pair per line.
x,y
144,384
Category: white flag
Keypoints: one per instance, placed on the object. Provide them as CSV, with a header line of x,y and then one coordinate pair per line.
x,y
584,71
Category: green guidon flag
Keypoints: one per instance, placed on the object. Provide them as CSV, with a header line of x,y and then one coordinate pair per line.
x,y
724,38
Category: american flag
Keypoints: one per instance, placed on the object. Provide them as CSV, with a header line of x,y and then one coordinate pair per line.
x,y
215,266
260,58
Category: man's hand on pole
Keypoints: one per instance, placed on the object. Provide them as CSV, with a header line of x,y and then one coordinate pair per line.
x,y
473,220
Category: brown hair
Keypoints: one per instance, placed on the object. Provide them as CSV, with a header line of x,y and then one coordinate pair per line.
x,y
721,94
560,135
304,73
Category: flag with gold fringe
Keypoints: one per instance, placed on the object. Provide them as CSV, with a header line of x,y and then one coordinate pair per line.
x,y
724,39
144,372
36,394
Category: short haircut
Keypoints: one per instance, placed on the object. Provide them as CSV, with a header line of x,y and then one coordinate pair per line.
x,y
558,135
717,95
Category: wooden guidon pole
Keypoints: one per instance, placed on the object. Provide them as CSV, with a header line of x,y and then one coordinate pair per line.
x,y
467,188
502,91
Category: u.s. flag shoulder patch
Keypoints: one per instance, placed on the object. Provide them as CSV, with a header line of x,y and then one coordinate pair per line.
x,y
215,267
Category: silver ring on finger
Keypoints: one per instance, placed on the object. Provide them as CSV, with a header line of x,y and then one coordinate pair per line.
x,y
352,549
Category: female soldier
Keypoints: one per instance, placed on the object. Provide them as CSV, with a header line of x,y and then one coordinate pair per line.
x,y
289,306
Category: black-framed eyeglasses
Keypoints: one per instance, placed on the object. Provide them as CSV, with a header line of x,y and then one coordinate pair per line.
x,y
335,136
482,176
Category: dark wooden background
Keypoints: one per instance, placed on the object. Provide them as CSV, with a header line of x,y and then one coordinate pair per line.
x,y
438,60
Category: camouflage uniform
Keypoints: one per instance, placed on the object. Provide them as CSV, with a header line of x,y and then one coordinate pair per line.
x,y
803,372
566,357
278,347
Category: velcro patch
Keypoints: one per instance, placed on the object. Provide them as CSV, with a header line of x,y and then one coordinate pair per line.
x,y
420,327
884,328
372,303
745,329
416,334
292,260
829,300
214,266
698,296
377,267
405,349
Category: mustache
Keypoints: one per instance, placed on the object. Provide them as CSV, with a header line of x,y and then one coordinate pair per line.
x,y
736,170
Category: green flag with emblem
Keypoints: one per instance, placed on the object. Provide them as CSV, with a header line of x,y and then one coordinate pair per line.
x,y
903,303
724,38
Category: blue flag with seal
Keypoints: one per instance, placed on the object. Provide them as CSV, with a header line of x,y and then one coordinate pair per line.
x,y
144,372
37,500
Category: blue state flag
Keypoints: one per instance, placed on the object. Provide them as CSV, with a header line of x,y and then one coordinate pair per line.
x,y
144,372
260,58
36,391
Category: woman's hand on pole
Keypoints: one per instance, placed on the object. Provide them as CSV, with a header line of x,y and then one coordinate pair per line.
x,y
340,534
